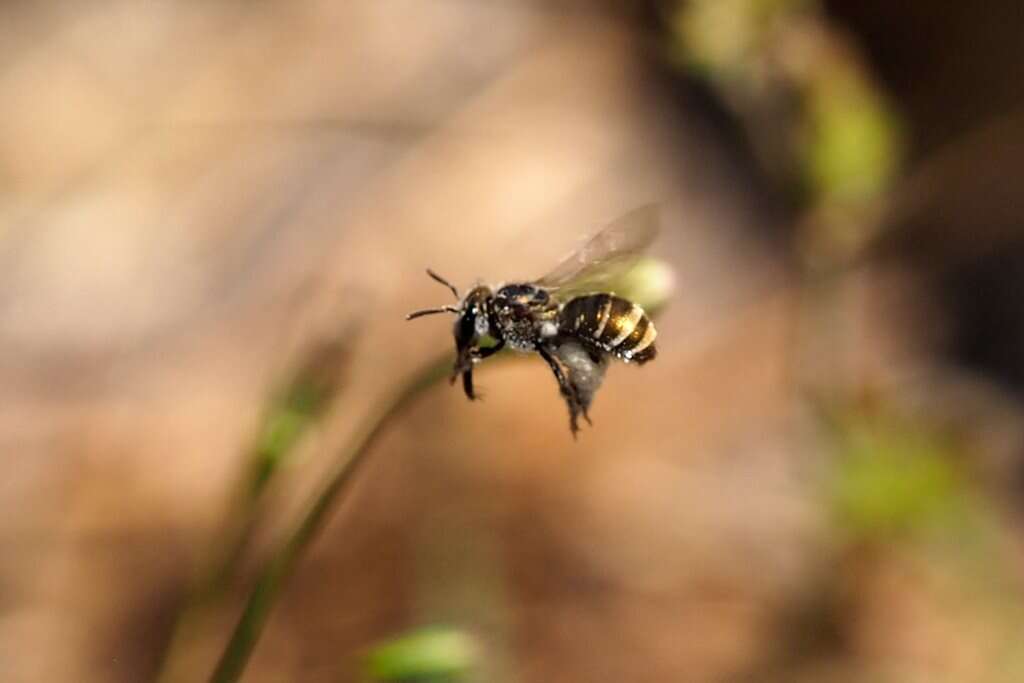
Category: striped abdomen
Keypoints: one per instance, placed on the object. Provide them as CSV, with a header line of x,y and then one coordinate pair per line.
x,y
613,324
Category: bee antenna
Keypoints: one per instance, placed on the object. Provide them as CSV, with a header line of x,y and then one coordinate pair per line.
x,y
444,282
431,311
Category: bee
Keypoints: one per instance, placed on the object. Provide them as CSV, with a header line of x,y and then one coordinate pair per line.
x,y
565,317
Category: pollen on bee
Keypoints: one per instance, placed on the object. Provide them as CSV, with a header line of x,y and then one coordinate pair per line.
x,y
548,329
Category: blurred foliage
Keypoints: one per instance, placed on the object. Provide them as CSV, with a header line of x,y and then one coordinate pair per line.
x,y
851,154
894,477
434,654
301,402
813,114
649,283
923,545
725,39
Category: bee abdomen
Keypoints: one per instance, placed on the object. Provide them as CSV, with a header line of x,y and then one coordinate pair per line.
x,y
615,325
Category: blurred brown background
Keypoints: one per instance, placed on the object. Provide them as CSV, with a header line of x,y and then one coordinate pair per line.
x,y
819,479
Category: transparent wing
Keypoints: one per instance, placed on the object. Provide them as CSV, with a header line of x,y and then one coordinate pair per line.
x,y
606,256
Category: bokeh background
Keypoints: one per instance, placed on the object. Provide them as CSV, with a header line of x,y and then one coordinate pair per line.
x,y
214,215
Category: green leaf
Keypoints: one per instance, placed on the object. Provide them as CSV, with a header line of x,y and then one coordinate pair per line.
x,y
433,653
895,478
854,152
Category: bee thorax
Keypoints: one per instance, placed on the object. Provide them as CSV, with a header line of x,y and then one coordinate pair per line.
x,y
519,334
520,344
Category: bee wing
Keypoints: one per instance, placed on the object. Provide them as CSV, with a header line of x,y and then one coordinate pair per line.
x,y
607,255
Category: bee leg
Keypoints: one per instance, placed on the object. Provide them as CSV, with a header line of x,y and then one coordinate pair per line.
x,y
567,390
467,370
582,401
490,350
467,384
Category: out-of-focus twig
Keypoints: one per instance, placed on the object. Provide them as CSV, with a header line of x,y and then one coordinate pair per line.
x,y
293,411
276,572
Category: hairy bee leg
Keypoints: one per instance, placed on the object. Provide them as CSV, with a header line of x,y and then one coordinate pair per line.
x,y
584,405
568,391
581,405
584,367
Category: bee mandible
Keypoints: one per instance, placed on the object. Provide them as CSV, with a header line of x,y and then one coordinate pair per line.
x,y
565,317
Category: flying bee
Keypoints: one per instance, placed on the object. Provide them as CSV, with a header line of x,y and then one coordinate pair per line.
x,y
565,316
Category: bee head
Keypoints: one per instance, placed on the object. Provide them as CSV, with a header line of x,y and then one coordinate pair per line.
x,y
473,320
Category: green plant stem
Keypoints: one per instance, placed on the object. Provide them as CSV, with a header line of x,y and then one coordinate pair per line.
x,y
207,591
275,574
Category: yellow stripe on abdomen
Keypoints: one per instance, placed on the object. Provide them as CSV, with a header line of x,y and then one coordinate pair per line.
x,y
625,324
